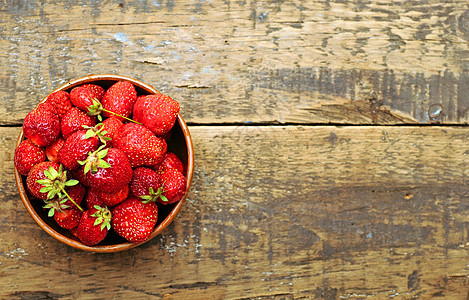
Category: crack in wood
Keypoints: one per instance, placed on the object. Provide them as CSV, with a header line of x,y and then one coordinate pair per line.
x,y
129,23
266,296
193,86
199,285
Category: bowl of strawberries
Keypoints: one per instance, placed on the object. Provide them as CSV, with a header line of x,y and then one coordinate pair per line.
x,y
104,163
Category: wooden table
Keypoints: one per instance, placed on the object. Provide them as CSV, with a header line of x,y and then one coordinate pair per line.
x,y
331,146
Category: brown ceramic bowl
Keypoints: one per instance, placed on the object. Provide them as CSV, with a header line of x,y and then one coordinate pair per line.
x,y
180,143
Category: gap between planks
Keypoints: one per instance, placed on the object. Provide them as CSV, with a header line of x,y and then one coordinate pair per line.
x,y
304,124
274,124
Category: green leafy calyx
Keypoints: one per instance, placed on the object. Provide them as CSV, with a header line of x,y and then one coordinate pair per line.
x,y
96,108
95,160
55,183
56,205
103,217
154,195
97,130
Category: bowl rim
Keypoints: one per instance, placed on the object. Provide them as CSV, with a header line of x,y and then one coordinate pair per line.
x,y
127,245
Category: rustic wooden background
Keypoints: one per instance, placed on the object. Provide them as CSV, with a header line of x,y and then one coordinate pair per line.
x,y
330,138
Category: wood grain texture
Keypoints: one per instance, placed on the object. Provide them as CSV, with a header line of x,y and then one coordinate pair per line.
x,y
277,212
282,205
293,62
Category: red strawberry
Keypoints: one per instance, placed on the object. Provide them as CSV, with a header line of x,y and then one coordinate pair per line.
x,y
27,154
93,199
80,176
82,97
142,180
112,199
140,145
158,112
53,149
61,101
134,220
68,218
107,170
76,148
47,106
94,225
73,231
119,98
46,180
42,125
141,96
170,161
77,193
174,186
112,126
167,137
65,215
98,92
37,173
74,120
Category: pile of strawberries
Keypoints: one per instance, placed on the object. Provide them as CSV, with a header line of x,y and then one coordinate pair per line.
x,y
99,161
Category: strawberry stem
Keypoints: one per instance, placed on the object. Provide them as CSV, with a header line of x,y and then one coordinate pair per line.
x,y
70,198
96,108
55,182
116,114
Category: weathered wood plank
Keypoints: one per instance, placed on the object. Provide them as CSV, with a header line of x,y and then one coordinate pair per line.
x,y
277,211
249,61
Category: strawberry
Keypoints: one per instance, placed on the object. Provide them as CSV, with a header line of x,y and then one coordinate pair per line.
x,y
66,216
37,173
86,97
141,96
74,120
134,220
167,136
92,199
77,193
47,106
119,98
157,112
61,101
28,154
98,92
53,149
82,97
46,180
80,176
174,186
170,161
94,225
107,170
112,199
140,145
112,126
76,148
73,231
98,131
142,180
42,125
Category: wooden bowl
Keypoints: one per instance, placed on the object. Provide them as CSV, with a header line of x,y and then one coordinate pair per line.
x,y
180,143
